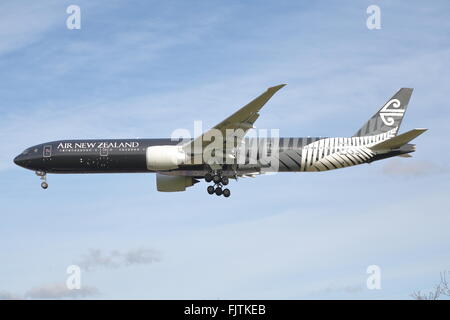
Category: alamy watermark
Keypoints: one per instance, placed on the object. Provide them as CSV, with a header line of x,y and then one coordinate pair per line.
x,y
373,21
374,279
230,146
73,21
73,281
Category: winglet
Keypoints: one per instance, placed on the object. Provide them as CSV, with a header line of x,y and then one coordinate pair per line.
x,y
276,88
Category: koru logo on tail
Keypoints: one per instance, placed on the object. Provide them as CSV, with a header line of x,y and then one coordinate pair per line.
x,y
390,111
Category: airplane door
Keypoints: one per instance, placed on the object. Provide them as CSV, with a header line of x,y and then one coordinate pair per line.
x,y
47,152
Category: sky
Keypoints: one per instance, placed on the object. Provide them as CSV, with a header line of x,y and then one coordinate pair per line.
x,y
145,68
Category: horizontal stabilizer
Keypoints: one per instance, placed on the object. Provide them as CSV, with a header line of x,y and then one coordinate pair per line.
x,y
398,141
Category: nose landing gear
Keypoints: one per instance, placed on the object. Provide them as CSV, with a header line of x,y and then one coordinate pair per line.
x,y
219,181
43,177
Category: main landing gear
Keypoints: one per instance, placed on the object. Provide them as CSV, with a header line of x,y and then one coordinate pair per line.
x,y
219,182
43,176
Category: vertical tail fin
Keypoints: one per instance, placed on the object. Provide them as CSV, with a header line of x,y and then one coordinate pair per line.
x,y
389,117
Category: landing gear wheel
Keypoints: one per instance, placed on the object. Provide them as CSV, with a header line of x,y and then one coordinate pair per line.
x,y
208,177
226,192
225,181
210,189
44,185
40,173
216,179
218,191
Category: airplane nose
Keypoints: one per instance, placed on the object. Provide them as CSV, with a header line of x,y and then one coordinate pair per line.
x,y
18,160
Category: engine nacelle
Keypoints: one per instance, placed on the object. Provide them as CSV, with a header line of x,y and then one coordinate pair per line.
x,y
166,183
165,157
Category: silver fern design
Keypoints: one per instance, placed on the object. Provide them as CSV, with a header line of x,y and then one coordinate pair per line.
x,y
335,153
391,110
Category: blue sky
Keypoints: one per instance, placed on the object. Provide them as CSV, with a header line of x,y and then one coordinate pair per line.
x,y
145,68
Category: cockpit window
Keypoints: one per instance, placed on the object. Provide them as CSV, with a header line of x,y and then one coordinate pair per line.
x,y
30,150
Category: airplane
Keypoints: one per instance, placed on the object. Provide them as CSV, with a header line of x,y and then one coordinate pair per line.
x,y
180,162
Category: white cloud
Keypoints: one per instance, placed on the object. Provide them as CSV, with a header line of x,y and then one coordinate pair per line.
x,y
116,259
60,291
411,167
6,295
52,291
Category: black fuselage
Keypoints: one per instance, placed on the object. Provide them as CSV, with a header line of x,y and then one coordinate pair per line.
x,y
90,156
130,155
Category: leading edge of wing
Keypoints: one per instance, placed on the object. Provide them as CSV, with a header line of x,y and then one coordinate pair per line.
x,y
244,118
251,108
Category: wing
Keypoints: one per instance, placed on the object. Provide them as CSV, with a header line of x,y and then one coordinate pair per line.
x,y
234,127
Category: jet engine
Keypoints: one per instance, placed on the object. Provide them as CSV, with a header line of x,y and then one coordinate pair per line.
x,y
166,183
165,157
